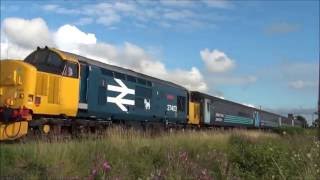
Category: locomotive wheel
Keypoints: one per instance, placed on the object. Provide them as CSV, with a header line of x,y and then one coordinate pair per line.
x,y
46,128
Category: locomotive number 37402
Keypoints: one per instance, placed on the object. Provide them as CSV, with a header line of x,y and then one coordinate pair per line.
x,y
171,108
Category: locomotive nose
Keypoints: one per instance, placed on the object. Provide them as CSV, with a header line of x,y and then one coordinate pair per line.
x,y
17,82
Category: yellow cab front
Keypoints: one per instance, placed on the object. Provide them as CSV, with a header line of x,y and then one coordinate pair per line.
x,y
45,84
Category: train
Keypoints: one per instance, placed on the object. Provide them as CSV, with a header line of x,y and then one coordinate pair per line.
x,y
52,91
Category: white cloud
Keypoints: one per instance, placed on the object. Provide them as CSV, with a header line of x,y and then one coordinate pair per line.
x,y
232,79
191,79
13,51
299,69
282,28
27,33
109,19
298,75
154,13
68,37
178,3
216,61
84,21
60,10
50,7
179,15
72,39
223,4
125,7
103,52
299,84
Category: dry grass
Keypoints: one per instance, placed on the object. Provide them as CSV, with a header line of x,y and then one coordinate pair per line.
x,y
176,155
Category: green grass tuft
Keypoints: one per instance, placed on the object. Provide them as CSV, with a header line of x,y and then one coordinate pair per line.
x,y
236,154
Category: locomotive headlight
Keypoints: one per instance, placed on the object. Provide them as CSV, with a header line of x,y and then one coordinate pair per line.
x,y
30,98
9,102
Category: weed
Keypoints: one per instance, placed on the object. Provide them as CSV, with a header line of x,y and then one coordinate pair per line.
x,y
129,154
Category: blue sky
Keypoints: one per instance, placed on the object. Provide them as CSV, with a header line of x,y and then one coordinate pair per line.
x,y
263,53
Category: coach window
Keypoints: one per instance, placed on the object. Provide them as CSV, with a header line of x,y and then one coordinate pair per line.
x,y
70,69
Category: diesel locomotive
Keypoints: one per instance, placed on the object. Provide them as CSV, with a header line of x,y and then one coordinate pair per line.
x,y
52,91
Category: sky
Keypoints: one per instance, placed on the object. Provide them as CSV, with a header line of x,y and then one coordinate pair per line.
x,y
259,53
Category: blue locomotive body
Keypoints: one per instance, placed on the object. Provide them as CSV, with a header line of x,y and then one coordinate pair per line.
x,y
111,93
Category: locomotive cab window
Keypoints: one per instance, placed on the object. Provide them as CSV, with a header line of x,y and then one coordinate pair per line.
x,y
70,69
37,57
46,61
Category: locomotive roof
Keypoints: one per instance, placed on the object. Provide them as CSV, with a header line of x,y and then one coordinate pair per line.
x,y
121,70
210,96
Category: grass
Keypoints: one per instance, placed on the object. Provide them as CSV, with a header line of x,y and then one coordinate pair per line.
x,y
119,154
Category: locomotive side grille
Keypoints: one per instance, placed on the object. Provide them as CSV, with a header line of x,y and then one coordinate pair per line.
x,y
42,84
54,86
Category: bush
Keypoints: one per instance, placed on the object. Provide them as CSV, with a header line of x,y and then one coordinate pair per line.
x,y
272,158
289,130
182,155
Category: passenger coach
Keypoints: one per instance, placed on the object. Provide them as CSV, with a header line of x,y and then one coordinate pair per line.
x,y
213,111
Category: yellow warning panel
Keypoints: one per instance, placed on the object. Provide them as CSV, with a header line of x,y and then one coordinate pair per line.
x,y
14,130
194,113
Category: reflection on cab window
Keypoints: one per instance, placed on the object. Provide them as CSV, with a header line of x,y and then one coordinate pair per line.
x,y
70,69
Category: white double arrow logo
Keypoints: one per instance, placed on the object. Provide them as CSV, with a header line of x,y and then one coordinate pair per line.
x,y
124,90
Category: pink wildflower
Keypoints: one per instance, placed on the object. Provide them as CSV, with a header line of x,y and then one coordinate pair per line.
x,y
183,156
94,172
106,167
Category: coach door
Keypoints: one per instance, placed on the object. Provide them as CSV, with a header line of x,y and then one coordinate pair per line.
x,y
84,72
256,119
206,111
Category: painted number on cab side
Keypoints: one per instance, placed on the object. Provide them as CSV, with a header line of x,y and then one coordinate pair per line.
x,y
171,108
